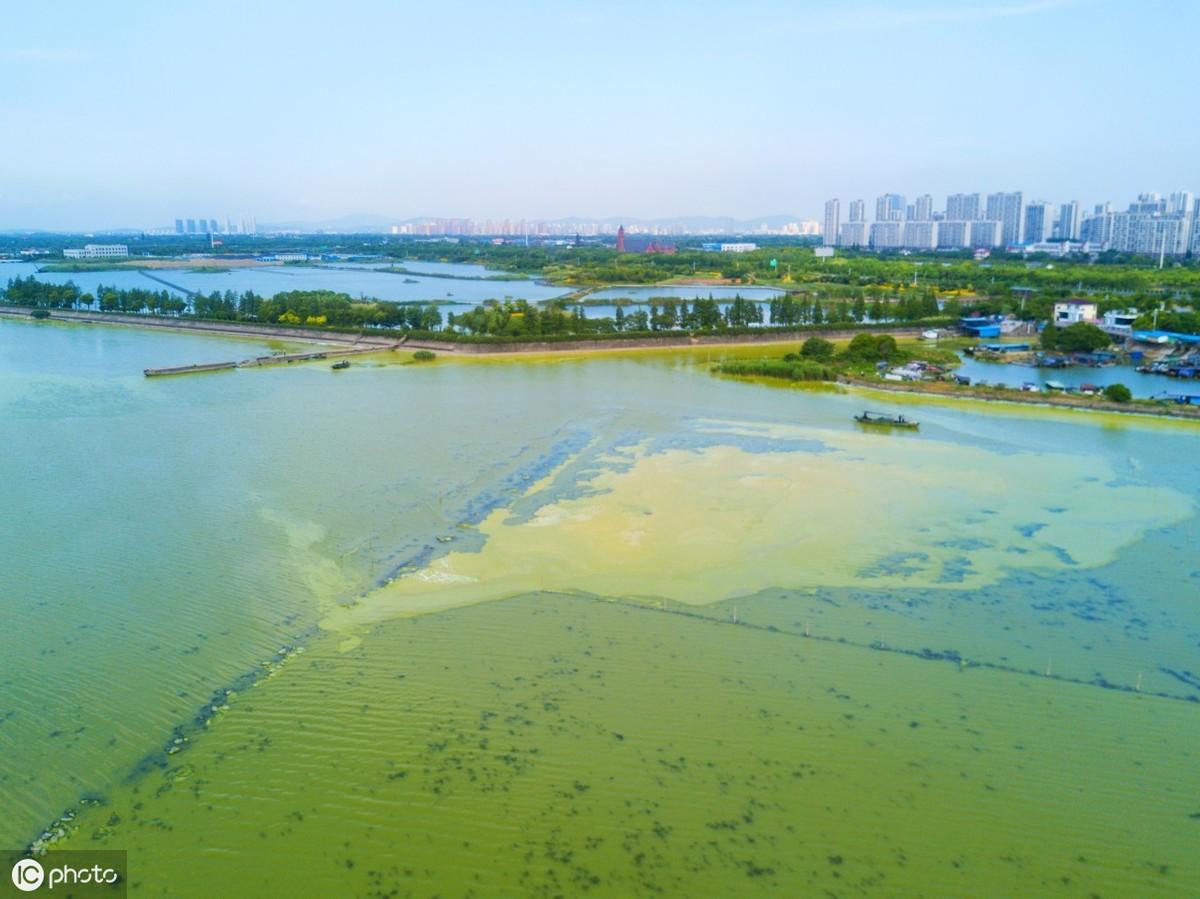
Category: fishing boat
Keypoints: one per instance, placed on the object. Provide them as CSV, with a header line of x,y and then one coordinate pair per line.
x,y
338,366
890,421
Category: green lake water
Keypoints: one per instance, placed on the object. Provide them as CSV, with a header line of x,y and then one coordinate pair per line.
x,y
604,625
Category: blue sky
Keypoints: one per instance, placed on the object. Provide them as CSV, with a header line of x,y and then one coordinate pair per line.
x,y
133,113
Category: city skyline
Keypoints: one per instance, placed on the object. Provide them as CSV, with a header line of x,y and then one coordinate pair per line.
x,y
1153,223
582,111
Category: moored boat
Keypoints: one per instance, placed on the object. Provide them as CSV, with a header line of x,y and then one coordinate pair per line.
x,y
890,421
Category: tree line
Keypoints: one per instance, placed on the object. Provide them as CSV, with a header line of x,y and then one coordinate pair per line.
x,y
296,307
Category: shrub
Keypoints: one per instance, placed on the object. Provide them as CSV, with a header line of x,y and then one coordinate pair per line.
x,y
424,355
871,348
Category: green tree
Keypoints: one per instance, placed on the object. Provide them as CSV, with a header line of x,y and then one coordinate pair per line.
x,y
817,348
1081,338
1118,393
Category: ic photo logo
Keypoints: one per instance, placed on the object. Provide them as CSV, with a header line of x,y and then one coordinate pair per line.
x,y
27,875
80,874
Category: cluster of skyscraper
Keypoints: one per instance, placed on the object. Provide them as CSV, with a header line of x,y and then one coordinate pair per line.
x,y
1151,226
207,226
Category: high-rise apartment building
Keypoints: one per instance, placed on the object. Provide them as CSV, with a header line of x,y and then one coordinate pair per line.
x,y
858,211
1008,209
1068,221
922,209
962,207
1148,204
1181,203
1097,227
832,221
889,208
1038,222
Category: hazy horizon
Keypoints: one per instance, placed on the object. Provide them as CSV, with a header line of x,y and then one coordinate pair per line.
x,y
291,112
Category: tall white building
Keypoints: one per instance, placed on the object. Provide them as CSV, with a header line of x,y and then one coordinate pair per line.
x,y
1038,222
858,211
922,209
1149,204
1068,221
962,207
1097,227
832,221
889,208
1181,203
1008,209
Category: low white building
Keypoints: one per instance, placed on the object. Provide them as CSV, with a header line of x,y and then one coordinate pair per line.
x,y
738,247
1072,312
1120,322
98,251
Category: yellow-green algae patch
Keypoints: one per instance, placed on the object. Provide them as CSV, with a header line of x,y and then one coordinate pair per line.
x,y
582,748
700,526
